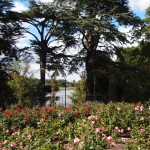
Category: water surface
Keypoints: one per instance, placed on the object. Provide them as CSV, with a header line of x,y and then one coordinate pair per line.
x,y
61,95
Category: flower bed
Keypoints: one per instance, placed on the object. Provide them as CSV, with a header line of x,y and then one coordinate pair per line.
x,y
84,126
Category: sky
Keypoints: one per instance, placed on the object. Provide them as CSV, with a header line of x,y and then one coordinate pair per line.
x,y
138,7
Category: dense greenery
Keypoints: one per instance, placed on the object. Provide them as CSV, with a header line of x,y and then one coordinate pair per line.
x,y
98,24
10,32
70,34
94,126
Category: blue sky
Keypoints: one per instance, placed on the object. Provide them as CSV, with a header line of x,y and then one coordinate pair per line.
x,y
138,6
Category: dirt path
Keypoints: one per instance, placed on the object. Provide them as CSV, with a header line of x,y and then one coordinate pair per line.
x,y
118,146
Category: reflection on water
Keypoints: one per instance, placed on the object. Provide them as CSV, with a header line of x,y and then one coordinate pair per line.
x,y
61,100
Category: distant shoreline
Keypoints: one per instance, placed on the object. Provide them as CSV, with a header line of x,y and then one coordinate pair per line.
x,y
67,88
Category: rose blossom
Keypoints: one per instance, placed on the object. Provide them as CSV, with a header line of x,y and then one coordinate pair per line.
x,y
109,138
97,130
116,128
103,128
134,105
142,108
5,142
128,128
38,123
95,117
93,122
4,148
29,136
136,108
16,133
122,130
20,143
90,117
118,108
84,120
7,131
142,130
13,144
142,118
76,140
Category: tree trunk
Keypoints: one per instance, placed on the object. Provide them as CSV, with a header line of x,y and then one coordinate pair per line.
x,y
90,69
42,72
90,77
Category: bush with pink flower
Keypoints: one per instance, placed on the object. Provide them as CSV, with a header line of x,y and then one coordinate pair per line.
x,y
81,126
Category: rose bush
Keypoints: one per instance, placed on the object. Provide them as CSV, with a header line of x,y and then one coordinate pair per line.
x,y
81,126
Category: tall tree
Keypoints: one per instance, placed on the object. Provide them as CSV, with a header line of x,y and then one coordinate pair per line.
x,y
135,74
146,29
10,31
98,24
47,21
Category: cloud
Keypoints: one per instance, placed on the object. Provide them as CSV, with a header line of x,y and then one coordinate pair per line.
x,y
72,77
26,25
35,67
24,41
139,5
18,6
45,0
127,31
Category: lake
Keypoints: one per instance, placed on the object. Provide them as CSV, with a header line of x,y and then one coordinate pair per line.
x,y
61,95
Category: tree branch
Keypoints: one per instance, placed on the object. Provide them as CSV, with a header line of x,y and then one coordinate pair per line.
x,y
32,34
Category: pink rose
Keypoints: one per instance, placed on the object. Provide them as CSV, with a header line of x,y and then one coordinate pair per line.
x,y
142,130
141,108
90,118
103,128
142,118
136,108
38,123
84,120
13,144
76,140
4,148
5,142
29,136
122,130
95,117
118,108
97,130
108,139
116,128
128,128
93,122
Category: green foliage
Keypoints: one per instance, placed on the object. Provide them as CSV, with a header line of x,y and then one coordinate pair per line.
x,y
91,26
132,79
79,94
48,20
10,32
62,82
25,88
81,126
146,28
98,22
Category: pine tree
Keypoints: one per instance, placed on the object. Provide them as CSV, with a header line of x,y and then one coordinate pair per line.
x,y
10,31
97,22
48,35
